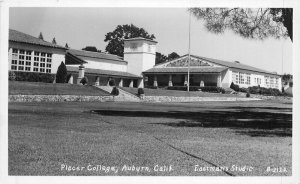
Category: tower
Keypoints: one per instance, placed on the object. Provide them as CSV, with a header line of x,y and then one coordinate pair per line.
x,y
140,54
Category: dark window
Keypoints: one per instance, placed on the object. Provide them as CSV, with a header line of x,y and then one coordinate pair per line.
x,y
13,67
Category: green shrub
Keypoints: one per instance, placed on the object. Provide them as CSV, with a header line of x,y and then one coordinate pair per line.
x,y
112,82
115,91
265,91
181,88
234,86
11,76
248,95
34,77
141,91
211,89
61,74
244,90
84,81
255,90
223,91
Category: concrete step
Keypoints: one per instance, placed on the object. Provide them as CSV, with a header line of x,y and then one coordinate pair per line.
x,y
123,95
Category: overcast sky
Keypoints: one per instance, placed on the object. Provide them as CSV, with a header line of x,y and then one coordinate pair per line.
x,y
80,27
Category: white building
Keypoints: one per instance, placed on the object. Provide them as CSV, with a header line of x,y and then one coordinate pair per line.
x,y
210,72
31,54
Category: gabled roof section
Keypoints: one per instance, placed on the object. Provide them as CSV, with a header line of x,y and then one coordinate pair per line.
x,y
17,36
234,65
224,64
96,55
205,69
73,60
109,73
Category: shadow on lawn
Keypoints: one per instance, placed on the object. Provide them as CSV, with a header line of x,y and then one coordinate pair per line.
x,y
243,120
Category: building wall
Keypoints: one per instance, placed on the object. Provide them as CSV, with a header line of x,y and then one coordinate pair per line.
x,y
57,56
105,64
140,55
257,78
135,63
226,78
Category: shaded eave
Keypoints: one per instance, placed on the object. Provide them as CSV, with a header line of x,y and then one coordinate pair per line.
x,y
109,73
184,70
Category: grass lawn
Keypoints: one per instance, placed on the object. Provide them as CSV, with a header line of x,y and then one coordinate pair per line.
x,y
177,93
39,88
46,138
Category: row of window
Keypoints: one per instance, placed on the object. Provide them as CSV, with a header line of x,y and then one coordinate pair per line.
x,y
245,78
241,78
271,82
257,81
22,61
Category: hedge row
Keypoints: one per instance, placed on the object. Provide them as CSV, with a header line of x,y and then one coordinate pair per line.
x,y
31,76
211,89
257,90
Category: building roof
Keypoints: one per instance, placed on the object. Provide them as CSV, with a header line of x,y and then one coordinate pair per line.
x,y
104,72
70,59
140,38
185,70
234,65
227,64
97,55
17,36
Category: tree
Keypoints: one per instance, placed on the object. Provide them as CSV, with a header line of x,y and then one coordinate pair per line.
x,y
247,22
172,56
160,58
286,78
61,74
91,49
116,38
54,41
67,46
41,36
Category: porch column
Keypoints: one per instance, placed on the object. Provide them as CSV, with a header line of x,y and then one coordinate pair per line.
x,y
140,83
71,80
201,83
219,83
155,81
80,73
170,80
131,83
97,82
185,80
121,83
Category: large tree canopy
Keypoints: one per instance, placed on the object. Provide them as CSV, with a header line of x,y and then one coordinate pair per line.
x,y
116,38
160,58
258,23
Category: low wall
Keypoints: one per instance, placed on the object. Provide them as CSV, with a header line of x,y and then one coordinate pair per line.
x,y
193,99
75,98
58,98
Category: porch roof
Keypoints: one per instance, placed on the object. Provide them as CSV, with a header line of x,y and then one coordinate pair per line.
x,y
104,72
185,70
